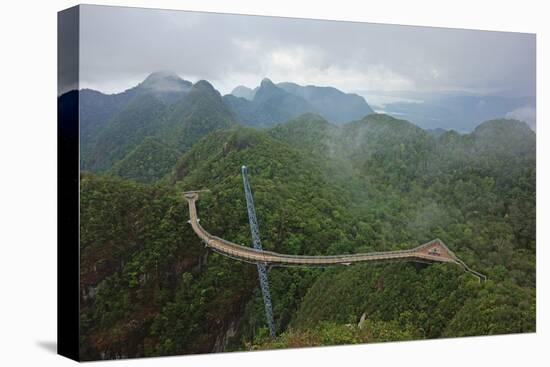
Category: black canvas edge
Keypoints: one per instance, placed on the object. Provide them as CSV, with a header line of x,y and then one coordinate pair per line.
x,y
68,171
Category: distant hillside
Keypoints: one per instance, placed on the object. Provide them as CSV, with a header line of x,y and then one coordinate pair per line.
x,y
334,105
309,132
164,106
123,132
270,105
273,103
199,113
437,132
148,162
506,137
97,108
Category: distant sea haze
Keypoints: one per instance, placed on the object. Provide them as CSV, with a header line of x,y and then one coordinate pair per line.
x,y
458,111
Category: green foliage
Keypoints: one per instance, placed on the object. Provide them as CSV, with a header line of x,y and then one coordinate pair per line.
x,y
149,162
270,105
499,308
125,131
125,139
150,287
134,247
199,113
330,333
424,299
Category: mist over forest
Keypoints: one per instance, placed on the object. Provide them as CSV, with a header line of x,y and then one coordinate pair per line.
x,y
329,176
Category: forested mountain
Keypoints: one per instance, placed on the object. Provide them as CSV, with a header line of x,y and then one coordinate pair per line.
x,y
437,132
271,103
141,118
148,162
475,190
334,105
149,287
131,110
199,113
177,113
165,85
172,110
134,304
96,108
322,185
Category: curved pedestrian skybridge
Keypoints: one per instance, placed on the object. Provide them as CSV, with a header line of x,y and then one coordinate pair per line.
x,y
430,252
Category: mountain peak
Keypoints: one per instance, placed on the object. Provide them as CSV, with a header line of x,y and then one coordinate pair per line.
x,y
165,81
204,87
506,137
504,130
266,82
384,122
162,74
203,84
504,124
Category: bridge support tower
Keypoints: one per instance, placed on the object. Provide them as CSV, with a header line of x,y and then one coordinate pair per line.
x,y
262,268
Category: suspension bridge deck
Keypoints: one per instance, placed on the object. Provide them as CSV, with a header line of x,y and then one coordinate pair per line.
x,y
433,251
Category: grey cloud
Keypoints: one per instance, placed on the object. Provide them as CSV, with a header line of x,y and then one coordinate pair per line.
x,y
526,114
120,46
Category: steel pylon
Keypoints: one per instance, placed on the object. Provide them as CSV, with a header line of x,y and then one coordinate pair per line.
x,y
256,242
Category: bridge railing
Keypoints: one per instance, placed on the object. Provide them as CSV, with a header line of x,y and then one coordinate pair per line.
x,y
254,255
239,250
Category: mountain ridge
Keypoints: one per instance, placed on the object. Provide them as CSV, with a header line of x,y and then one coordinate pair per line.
x,y
179,113
334,105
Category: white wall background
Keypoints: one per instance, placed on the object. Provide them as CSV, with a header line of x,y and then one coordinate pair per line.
x,y
28,182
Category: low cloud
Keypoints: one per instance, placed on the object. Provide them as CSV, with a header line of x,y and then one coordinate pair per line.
x,y
120,46
526,114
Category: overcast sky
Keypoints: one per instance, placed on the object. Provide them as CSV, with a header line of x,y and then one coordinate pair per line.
x,y
121,46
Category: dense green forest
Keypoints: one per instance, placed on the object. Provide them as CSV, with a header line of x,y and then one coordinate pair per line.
x,y
149,287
